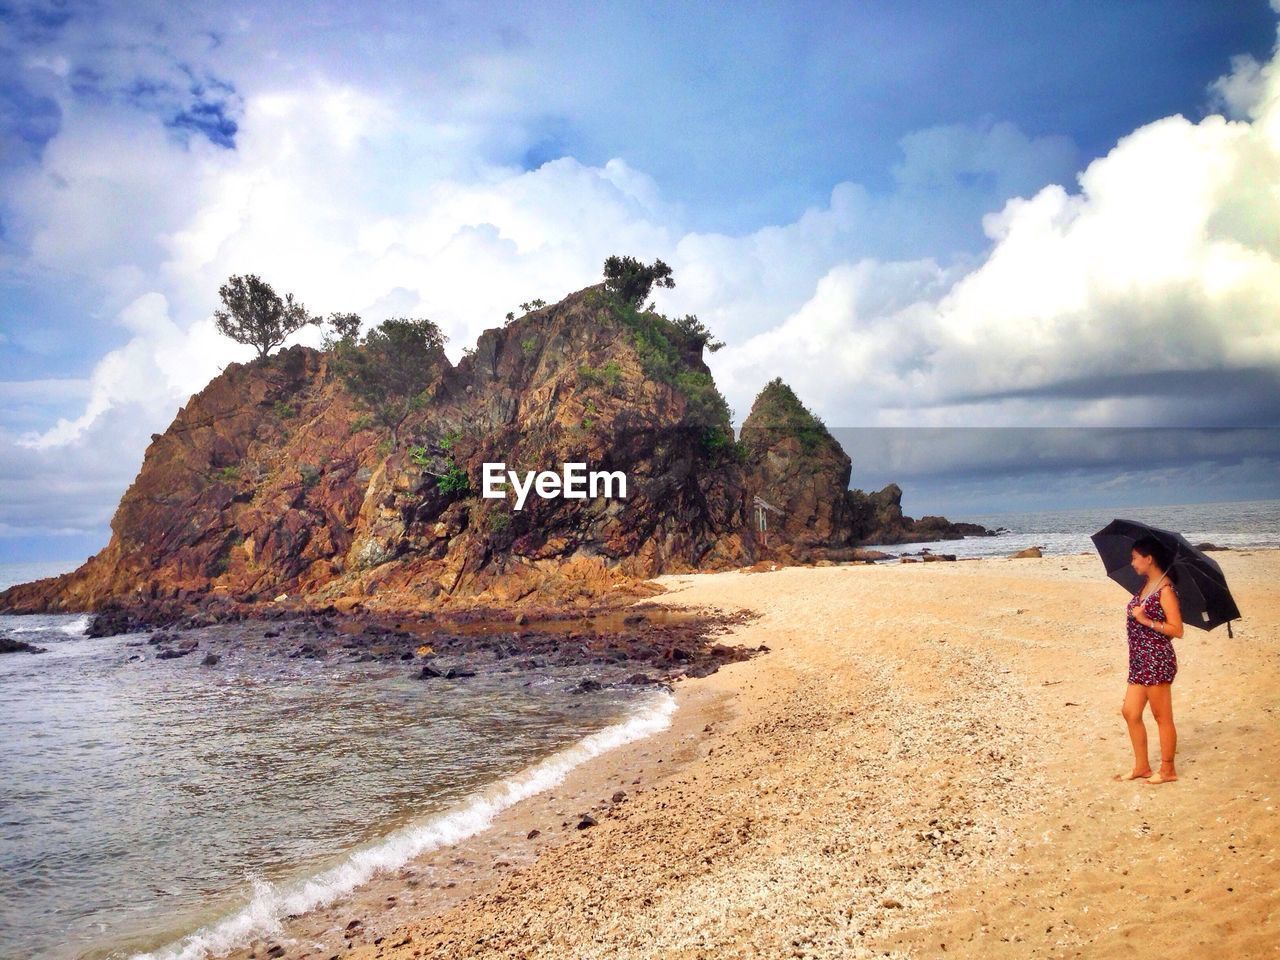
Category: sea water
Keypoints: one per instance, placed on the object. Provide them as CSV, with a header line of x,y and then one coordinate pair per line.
x,y
170,809
1240,525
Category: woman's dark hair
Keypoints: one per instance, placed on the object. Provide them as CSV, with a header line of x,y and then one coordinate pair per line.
x,y
1153,548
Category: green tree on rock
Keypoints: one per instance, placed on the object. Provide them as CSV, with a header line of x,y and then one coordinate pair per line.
x,y
391,368
344,329
697,331
255,314
630,280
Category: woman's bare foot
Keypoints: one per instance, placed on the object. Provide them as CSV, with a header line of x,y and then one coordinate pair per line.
x,y
1134,774
1166,775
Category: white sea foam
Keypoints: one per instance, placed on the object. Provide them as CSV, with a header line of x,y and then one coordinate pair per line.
x,y
262,915
76,627
45,623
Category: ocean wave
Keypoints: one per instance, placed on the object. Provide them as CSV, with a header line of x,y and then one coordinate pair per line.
x,y
48,623
76,627
270,903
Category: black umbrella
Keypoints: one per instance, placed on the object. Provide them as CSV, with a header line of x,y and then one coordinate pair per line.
x,y
1202,588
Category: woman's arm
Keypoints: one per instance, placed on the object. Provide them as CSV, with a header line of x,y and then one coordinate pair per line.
x,y
1172,614
1172,610
1172,624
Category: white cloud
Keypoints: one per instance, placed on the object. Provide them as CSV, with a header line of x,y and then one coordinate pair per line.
x,y
1166,262
160,365
1239,93
1162,258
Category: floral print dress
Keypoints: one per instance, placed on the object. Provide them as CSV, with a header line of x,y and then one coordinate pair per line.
x,y
1151,656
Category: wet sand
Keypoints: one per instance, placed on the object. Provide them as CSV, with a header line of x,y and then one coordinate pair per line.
x,y
920,766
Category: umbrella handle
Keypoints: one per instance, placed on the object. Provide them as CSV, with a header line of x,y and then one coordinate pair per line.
x,y
1229,633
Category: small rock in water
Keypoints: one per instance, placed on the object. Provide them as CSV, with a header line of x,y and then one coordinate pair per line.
x,y
10,645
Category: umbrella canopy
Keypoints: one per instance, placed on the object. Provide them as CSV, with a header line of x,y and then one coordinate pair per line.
x,y
1202,588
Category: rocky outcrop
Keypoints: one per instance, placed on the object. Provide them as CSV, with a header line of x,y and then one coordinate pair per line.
x,y
800,473
273,484
795,465
878,519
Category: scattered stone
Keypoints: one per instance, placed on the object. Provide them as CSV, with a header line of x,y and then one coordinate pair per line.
x,y
587,821
535,832
10,645
210,660
619,796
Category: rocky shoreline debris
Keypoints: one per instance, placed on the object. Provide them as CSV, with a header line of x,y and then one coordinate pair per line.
x,y
10,645
641,646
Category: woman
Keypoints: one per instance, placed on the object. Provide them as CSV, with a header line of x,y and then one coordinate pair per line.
x,y
1154,620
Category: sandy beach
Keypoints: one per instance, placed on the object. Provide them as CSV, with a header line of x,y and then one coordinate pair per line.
x,y
919,765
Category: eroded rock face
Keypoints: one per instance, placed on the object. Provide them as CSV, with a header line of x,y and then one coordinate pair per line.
x,y
272,482
794,465
254,487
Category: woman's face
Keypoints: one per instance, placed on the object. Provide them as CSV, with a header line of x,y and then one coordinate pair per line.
x,y
1140,563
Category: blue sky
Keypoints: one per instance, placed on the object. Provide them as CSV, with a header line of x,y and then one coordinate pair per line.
x,y
998,214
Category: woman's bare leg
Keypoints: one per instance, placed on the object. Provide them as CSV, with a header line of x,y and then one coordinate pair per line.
x,y
1160,696
1135,701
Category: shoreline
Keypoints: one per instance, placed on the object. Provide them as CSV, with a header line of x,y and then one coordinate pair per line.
x,y
588,651
444,878
931,775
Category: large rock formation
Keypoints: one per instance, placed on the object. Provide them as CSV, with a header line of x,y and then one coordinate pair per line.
x,y
800,473
272,480
796,466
